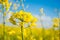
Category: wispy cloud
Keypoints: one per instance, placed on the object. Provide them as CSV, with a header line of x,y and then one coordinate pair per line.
x,y
46,21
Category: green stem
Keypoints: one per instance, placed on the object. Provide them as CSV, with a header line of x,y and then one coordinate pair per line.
x,y
21,2
22,32
54,32
30,32
3,20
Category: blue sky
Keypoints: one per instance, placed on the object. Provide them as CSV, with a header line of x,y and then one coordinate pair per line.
x,y
48,5
35,5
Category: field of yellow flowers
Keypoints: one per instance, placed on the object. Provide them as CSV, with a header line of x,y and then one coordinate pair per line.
x,y
14,33
31,32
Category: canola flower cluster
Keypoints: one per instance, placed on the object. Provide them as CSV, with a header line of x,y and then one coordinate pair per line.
x,y
14,33
24,17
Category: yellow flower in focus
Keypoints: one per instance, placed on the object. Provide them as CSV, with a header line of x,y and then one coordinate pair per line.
x,y
21,13
27,20
28,17
16,15
25,16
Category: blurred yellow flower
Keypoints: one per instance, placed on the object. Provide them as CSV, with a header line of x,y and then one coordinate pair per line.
x,y
34,20
5,1
56,22
11,32
25,33
0,1
19,37
8,6
41,38
47,32
52,38
32,24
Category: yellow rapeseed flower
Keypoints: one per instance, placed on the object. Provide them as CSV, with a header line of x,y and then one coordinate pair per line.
x,y
47,32
56,20
41,38
25,32
19,37
34,20
23,17
32,24
28,17
11,32
3,1
56,24
16,15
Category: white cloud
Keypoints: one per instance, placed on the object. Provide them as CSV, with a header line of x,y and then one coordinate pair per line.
x,y
46,21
